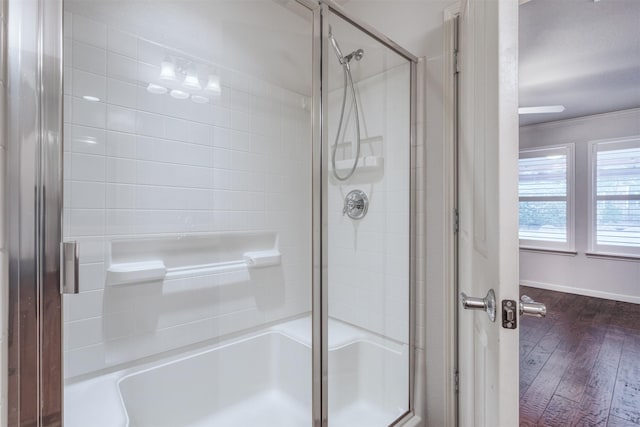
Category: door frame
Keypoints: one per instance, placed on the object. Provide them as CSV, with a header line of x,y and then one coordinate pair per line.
x,y
34,171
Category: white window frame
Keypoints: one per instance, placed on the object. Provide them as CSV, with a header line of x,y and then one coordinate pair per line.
x,y
594,248
550,150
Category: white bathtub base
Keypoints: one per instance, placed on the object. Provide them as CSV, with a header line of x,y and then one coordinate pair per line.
x,y
259,380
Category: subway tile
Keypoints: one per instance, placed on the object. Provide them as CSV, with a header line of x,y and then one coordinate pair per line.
x,y
149,124
86,167
222,158
121,93
83,360
122,67
68,24
92,276
83,333
68,80
120,222
150,53
120,196
122,43
67,108
149,102
89,31
89,58
86,222
199,133
148,73
152,173
83,139
67,52
89,113
89,84
121,119
83,305
91,249
120,144
158,198
87,195
165,150
176,129
120,170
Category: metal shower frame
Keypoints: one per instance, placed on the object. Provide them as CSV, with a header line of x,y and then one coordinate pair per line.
x,y
34,116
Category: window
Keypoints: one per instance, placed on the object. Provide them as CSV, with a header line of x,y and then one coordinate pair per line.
x,y
614,214
546,198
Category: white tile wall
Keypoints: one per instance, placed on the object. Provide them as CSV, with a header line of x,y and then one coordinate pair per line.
x,y
369,258
139,164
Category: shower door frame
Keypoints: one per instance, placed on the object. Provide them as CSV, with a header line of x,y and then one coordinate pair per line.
x,y
320,313
34,118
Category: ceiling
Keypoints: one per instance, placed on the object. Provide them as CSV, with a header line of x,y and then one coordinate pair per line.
x,y
582,54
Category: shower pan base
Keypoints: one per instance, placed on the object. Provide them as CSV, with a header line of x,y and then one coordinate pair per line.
x,y
261,379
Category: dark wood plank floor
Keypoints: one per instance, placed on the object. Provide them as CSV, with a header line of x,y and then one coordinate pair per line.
x,y
580,366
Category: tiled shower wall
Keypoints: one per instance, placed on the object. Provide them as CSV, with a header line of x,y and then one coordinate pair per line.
x,y
369,258
140,165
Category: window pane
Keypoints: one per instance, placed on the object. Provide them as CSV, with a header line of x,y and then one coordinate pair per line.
x,y
545,220
618,222
543,176
619,172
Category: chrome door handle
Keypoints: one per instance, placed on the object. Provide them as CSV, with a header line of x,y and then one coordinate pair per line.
x,y
488,303
69,268
528,307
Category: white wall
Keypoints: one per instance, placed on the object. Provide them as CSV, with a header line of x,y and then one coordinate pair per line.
x,y
141,165
605,278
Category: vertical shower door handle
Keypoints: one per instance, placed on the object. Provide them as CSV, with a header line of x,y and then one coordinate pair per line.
x,y
69,268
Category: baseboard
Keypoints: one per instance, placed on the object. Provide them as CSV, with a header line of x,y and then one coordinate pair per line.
x,y
580,291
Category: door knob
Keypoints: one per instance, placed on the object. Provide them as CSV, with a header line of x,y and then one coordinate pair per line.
x,y
528,307
488,303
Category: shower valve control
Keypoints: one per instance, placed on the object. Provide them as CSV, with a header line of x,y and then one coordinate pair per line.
x,y
356,204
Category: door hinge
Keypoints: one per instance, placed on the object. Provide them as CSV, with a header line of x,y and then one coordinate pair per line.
x,y
456,221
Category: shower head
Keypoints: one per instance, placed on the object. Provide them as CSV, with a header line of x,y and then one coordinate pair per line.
x,y
356,54
344,60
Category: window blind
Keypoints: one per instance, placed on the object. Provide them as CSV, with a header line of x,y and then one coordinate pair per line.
x,y
617,198
543,197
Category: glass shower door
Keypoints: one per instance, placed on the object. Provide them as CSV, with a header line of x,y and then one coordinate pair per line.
x,y
187,138
369,228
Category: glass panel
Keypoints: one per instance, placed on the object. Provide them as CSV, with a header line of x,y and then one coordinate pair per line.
x,y
543,176
618,222
619,172
542,188
618,195
368,266
188,188
543,220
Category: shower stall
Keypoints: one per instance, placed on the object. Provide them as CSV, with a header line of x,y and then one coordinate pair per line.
x,y
233,184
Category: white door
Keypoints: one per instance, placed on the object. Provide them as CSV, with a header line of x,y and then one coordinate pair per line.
x,y
488,207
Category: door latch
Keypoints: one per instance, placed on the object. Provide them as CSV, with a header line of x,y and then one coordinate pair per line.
x,y
525,307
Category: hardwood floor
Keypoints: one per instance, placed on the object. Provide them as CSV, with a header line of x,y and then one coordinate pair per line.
x,y
580,366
